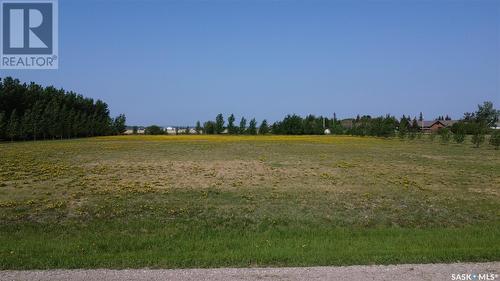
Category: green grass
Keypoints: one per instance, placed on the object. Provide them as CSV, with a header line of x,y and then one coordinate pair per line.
x,y
203,201
156,245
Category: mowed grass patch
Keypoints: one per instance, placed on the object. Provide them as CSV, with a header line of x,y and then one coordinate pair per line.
x,y
202,201
151,244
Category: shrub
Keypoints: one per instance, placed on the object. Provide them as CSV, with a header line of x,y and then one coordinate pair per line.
x,y
478,138
432,136
402,134
479,130
495,138
459,137
412,135
445,135
154,130
459,131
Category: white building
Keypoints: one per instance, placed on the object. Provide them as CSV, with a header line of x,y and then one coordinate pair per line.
x,y
170,130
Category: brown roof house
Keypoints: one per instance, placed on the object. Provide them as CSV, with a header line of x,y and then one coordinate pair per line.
x,y
347,123
435,125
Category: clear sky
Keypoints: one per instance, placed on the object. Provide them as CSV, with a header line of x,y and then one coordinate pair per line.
x,y
175,62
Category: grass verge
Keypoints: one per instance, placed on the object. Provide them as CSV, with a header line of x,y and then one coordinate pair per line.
x,y
138,244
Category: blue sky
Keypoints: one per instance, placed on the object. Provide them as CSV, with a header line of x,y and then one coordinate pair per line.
x,y
175,62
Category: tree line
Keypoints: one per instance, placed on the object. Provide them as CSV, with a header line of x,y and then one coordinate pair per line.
x,y
293,124
218,126
32,112
477,124
485,116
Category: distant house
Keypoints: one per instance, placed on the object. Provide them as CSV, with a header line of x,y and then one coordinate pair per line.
x,y
179,131
347,123
435,125
129,130
327,132
496,126
170,130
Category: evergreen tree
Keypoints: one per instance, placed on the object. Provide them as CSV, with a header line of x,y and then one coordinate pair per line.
x,y
264,127
2,124
313,125
13,126
337,128
292,125
52,116
50,113
78,126
69,123
37,113
390,124
403,127
26,126
414,125
60,122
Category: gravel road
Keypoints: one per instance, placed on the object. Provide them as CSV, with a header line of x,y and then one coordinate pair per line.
x,y
407,272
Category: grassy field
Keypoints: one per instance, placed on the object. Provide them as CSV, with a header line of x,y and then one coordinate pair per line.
x,y
210,201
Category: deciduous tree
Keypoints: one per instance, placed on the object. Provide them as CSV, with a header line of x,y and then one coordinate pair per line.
x,y
219,124
264,127
243,126
154,130
231,128
209,127
252,127
119,124
198,127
